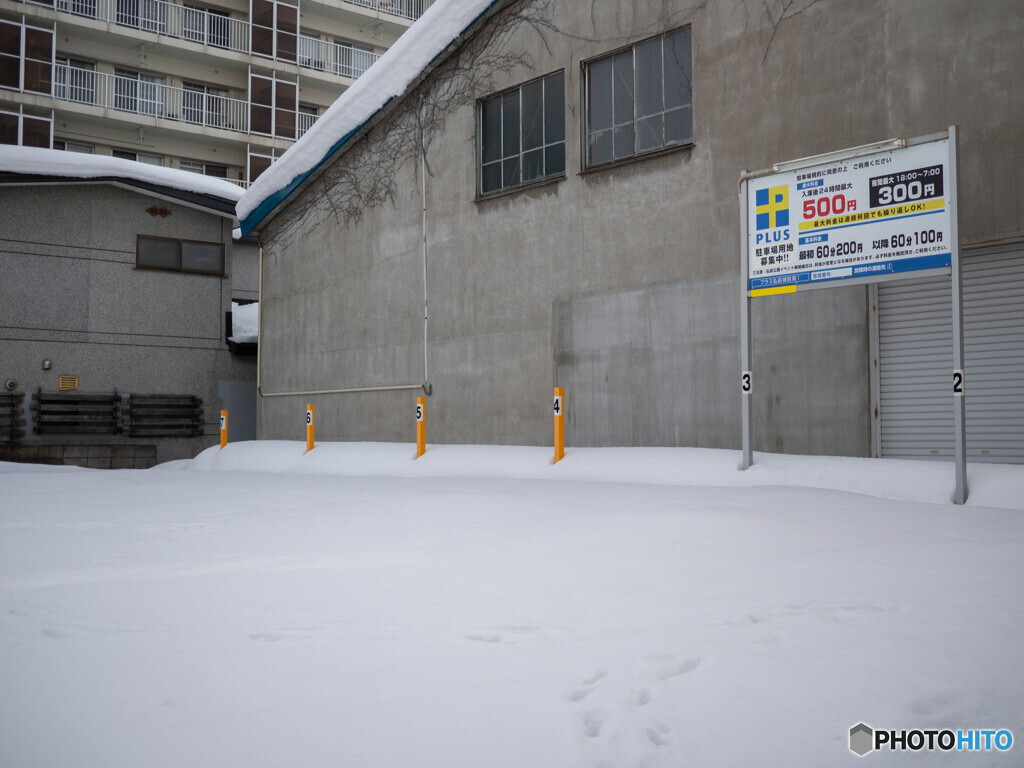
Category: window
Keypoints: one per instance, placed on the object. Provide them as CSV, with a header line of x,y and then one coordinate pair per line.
x,y
26,67
307,116
206,169
275,28
148,15
309,52
351,60
138,157
522,134
639,100
179,255
73,146
35,132
272,106
203,25
204,105
258,164
26,130
78,7
9,127
134,92
75,80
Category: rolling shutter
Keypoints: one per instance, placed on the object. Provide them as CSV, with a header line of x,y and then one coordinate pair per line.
x,y
916,361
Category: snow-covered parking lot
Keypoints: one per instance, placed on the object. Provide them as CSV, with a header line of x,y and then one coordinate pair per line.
x,y
481,607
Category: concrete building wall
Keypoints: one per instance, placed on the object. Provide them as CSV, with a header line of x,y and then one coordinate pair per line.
x,y
623,284
71,294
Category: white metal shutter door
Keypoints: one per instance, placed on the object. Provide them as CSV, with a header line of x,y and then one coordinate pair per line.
x,y
916,361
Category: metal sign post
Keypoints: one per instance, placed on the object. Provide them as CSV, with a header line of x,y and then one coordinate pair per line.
x,y
959,385
746,374
869,214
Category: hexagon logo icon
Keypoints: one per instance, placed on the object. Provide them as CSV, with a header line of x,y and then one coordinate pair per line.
x,y
861,739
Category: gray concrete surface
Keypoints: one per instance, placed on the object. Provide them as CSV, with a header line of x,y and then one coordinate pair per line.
x,y
623,285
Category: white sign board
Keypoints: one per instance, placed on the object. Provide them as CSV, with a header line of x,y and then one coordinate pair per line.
x,y
868,216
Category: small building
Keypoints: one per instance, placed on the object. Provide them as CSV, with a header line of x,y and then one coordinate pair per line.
x,y
557,184
115,301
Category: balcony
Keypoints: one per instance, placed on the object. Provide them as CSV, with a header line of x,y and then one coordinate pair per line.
x,y
149,98
407,9
198,26
335,58
305,122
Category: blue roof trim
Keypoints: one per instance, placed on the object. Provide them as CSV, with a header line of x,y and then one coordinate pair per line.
x,y
272,201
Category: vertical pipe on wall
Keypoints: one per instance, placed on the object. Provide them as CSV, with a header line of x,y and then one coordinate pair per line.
x,y
423,194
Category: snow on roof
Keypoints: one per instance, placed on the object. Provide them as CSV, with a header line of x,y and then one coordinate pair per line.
x,y
33,161
389,78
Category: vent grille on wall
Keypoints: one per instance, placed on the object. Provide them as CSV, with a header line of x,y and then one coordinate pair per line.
x,y
163,416
12,417
75,413
68,383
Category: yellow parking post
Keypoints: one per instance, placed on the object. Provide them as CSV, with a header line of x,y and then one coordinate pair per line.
x,y
223,429
310,419
421,426
559,424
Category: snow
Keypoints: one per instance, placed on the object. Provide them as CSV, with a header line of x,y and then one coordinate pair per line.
x,y
480,606
389,77
75,165
245,322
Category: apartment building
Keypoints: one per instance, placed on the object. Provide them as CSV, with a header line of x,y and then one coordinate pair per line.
x,y
220,89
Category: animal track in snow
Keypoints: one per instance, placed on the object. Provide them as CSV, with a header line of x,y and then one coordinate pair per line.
x,y
593,722
509,633
680,668
266,637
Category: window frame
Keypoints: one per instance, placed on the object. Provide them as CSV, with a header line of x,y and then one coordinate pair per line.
x,y
180,270
585,65
549,178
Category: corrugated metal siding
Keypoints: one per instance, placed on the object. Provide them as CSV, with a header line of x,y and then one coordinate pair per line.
x,y
916,361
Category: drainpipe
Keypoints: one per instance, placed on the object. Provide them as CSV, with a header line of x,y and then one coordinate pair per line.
x,y
427,386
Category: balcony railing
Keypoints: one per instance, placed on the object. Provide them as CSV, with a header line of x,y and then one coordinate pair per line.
x,y
336,58
199,26
142,97
221,31
305,122
407,9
